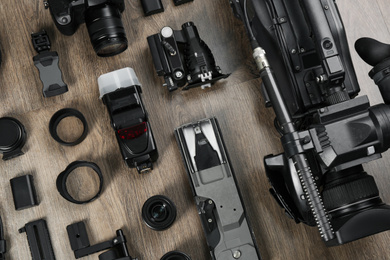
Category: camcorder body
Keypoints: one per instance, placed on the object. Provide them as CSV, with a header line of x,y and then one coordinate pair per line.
x,y
327,131
103,20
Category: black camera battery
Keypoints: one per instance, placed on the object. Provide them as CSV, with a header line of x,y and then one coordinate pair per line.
x,y
23,192
180,2
152,7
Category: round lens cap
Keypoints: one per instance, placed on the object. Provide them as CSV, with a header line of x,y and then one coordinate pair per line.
x,y
12,137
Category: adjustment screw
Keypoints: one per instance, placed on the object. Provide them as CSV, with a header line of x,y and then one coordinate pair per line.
x,y
293,51
46,4
210,202
210,220
326,7
237,254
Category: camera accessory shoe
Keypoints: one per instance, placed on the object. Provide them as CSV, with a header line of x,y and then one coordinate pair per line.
x,y
12,137
61,114
23,192
47,63
180,2
159,212
152,7
121,91
183,59
62,178
175,255
39,240
102,18
79,242
217,195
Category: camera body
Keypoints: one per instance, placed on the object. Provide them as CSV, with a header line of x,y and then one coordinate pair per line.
x,y
103,20
327,133
69,14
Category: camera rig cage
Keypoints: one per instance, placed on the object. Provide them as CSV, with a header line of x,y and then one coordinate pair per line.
x,y
327,133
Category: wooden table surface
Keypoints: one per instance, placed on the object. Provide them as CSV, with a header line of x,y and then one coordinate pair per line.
x,y
237,103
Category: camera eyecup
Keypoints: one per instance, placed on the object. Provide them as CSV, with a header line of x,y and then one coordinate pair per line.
x,y
106,30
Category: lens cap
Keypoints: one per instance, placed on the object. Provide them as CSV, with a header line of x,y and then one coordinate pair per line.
x,y
159,212
12,137
175,255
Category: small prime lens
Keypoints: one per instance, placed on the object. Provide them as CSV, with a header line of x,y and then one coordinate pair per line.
x,y
175,255
106,30
159,212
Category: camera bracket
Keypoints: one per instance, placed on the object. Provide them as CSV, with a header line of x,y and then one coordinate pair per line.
x,y
79,243
47,63
217,195
198,67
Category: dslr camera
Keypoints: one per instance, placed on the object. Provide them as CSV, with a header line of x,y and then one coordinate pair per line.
x,y
103,20
327,132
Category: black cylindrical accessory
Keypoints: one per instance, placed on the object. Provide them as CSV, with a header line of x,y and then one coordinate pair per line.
x,y
106,30
57,118
63,176
12,137
159,212
175,255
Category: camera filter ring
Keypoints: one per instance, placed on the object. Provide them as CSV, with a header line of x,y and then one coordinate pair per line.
x,y
59,116
63,176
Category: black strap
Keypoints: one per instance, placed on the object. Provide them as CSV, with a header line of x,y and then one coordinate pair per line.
x,y
61,181
61,114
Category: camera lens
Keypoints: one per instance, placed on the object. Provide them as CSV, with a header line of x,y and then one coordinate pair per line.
x,y
349,191
159,212
106,30
175,255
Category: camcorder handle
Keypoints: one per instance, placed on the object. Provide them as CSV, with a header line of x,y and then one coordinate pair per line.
x,y
295,146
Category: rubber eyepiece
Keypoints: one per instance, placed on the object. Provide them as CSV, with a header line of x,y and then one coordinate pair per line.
x,y
159,212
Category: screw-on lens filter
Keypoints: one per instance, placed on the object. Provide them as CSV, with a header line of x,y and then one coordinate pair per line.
x,y
159,212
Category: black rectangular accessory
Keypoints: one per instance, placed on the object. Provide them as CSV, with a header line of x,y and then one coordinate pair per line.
x,y
217,195
152,7
180,2
39,240
23,192
79,242
47,63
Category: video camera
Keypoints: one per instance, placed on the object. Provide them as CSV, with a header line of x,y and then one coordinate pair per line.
x,y
327,132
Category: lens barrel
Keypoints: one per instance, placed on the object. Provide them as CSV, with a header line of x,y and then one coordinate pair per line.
x,y
106,30
350,191
159,212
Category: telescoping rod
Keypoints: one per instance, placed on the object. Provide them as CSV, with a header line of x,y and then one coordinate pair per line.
x,y
300,160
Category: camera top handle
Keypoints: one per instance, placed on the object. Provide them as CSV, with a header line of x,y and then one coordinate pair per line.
x,y
290,133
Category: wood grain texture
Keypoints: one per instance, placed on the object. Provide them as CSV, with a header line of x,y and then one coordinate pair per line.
x,y
246,125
